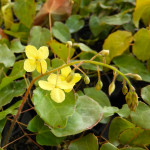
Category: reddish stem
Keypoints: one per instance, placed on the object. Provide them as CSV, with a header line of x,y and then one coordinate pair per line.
x,y
20,108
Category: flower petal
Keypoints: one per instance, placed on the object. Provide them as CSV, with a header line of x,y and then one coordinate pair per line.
x,y
68,90
76,78
46,85
53,78
31,52
57,95
29,65
41,66
43,52
65,85
65,71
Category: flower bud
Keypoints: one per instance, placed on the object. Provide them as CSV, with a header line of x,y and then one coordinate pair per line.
x,y
99,85
104,52
86,80
129,99
135,98
69,43
134,76
70,76
137,77
111,88
124,89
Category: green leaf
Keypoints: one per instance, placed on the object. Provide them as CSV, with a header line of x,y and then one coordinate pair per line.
x,y
117,126
127,63
148,65
7,15
35,124
20,35
6,56
109,111
11,110
141,11
88,142
61,32
84,48
135,137
75,23
141,44
39,36
44,135
54,114
16,46
3,71
2,124
124,111
25,11
17,72
87,114
141,116
14,89
117,43
56,62
145,93
108,146
118,19
98,96
61,50
132,148
97,26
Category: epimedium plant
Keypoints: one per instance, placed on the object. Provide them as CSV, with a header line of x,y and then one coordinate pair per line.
x,y
58,73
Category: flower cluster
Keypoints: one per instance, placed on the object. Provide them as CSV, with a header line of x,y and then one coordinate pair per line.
x,y
36,59
58,84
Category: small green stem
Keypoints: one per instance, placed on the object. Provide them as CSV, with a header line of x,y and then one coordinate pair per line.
x,y
69,64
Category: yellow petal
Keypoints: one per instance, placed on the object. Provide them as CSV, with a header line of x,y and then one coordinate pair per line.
x,y
68,90
57,95
29,65
43,52
76,78
65,71
41,66
46,85
54,78
31,52
65,85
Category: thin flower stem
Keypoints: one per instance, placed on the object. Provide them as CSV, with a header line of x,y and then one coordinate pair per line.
x,y
69,64
18,122
68,59
15,140
41,148
50,26
79,70
99,77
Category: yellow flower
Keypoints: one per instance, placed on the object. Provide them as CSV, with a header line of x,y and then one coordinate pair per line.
x,y
65,72
57,83
36,59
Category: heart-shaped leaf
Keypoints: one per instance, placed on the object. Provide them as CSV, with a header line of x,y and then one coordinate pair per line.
x,y
54,114
89,141
117,43
141,116
44,135
117,126
87,114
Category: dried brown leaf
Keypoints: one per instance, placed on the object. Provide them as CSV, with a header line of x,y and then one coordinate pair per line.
x,y
54,7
